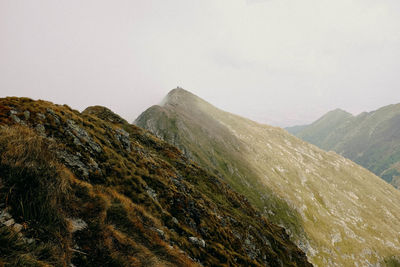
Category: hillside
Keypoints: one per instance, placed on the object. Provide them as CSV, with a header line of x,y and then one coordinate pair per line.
x,y
89,189
338,212
320,129
369,139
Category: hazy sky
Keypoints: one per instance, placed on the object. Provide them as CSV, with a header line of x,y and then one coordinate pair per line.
x,y
283,62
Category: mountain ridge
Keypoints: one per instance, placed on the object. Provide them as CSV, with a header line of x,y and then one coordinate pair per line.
x,y
334,201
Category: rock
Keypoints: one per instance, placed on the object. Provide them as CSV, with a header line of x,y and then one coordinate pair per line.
x,y
123,137
29,240
151,193
27,114
175,220
41,116
17,227
80,134
161,233
73,161
197,241
236,234
4,216
15,118
40,129
77,224
94,165
53,115
9,222
77,131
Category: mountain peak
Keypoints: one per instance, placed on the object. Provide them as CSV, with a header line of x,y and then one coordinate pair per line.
x,y
182,98
338,111
179,90
335,115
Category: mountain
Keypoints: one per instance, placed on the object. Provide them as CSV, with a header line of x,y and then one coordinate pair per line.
x,y
369,139
320,129
339,213
90,189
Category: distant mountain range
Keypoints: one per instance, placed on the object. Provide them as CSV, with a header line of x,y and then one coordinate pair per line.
x,y
371,139
338,212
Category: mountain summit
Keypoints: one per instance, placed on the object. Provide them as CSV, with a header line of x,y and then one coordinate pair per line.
x,y
339,213
179,96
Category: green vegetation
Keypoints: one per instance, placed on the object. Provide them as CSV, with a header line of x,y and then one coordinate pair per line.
x,y
369,139
335,210
91,190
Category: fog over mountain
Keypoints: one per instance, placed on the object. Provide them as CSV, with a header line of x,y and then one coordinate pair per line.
x,y
280,62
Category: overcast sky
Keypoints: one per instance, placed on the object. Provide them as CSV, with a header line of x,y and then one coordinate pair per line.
x,y
283,62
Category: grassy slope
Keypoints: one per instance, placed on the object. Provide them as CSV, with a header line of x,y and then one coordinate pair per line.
x,y
370,139
140,197
347,213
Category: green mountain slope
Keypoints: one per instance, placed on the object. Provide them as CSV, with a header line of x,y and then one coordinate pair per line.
x,y
89,189
321,128
338,212
369,139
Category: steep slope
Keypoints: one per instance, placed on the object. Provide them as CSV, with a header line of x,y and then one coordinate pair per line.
x,y
369,139
89,189
350,216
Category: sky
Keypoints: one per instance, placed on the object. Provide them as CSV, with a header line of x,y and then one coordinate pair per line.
x,y
281,62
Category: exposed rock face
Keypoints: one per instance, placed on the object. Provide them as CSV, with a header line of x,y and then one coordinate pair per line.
x,y
339,213
96,191
123,137
80,135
